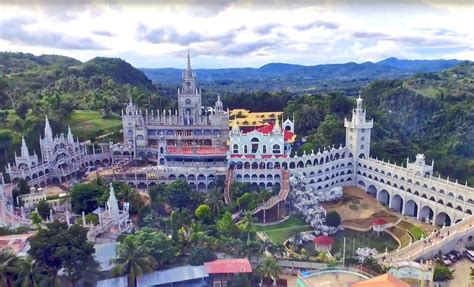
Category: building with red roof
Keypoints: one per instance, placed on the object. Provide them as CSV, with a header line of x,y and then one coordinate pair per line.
x,y
222,272
323,243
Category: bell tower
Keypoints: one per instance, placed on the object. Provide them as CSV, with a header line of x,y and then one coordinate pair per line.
x,y
358,132
189,98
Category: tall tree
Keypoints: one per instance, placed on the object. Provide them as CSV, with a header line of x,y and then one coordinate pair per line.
x,y
29,273
133,260
58,246
268,268
214,201
8,266
247,225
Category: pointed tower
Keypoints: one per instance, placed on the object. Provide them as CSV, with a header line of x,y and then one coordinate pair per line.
x,y
189,98
358,132
277,127
112,204
70,137
48,132
24,148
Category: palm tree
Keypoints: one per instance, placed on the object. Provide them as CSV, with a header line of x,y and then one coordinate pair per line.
x,y
133,260
268,268
8,266
248,225
28,274
214,201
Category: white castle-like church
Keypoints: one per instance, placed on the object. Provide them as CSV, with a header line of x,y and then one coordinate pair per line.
x,y
196,145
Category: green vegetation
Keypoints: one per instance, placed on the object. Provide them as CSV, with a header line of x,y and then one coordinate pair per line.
x,y
333,219
429,113
417,232
278,233
59,247
442,273
92,125
34,86
362,239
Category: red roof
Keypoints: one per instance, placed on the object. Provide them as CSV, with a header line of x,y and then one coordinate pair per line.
x,y
323,240
268,128
228,266
379,221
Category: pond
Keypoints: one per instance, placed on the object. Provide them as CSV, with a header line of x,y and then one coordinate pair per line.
x,y
354,240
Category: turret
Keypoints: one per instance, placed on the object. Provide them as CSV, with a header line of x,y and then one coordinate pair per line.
x,y
24,149
48,132
70,137
219,106
358,132
235,128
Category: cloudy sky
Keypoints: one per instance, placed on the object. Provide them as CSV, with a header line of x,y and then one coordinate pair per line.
x,y
239,34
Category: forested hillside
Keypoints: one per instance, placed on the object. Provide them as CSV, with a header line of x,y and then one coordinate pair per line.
x,y
431,113
34,86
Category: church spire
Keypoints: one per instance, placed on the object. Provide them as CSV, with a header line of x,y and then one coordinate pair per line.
x,y
24,148
359,103
70,137
189,70
48,132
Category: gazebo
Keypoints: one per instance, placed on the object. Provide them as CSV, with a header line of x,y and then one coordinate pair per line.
x,y
379,225
323,243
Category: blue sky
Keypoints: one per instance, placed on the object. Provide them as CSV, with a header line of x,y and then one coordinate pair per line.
x,y
240,33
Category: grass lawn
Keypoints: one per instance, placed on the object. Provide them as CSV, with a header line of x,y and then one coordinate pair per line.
x,y
278,233
89,124
417,232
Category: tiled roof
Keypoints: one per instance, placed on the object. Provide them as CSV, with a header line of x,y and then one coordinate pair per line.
x,y
228,266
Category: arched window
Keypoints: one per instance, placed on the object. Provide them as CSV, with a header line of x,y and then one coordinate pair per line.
x,y
361,146
235,148
188,101
245,149
276,148
254,145
140,137
130,133
264,149
362,138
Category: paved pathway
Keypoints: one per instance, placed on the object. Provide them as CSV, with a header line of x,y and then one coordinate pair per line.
x,y
421,247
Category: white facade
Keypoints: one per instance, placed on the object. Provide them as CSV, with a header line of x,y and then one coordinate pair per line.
x,y
61,158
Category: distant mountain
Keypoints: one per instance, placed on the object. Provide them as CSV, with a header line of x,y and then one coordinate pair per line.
x,y
419,65
348,77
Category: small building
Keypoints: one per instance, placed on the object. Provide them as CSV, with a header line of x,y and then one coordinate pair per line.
x,y
222,272
380,225
212,274
323,243
385,280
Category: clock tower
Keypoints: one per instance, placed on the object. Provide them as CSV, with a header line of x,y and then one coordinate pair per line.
x,y
189,98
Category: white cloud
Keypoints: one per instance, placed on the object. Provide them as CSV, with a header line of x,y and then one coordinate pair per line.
x,y
230,34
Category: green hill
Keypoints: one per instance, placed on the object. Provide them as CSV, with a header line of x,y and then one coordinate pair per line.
x,y
66,90
431,113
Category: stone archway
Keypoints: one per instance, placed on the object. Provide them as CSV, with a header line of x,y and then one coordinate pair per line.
x,y
397,203
384,197
372,190
443,219
411,208
426,213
